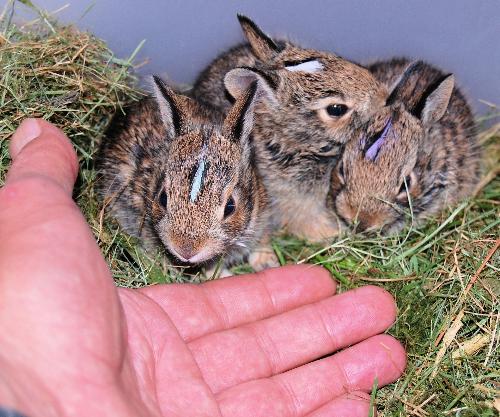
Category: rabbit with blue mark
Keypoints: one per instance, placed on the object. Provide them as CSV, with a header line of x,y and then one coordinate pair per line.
x,y
183,177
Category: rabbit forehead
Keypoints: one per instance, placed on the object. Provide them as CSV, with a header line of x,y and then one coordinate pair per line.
x,y
392,137
320,72
199,169
210,145
388,167
395,157
359,91
197,193
201,180
295,54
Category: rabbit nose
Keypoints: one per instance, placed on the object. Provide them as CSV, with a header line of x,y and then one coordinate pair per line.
x,y
187,252
184,252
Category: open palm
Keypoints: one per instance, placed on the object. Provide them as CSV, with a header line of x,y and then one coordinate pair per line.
x,y
73,344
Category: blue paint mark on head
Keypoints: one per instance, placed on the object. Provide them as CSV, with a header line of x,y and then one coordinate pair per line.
x,y
197,181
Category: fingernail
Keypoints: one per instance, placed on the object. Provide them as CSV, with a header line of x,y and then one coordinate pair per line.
x,y
28,130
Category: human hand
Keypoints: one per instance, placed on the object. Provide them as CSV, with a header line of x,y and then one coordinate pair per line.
x,y
73,344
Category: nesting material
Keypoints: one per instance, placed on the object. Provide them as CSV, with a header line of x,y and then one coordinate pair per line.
x,y
59,73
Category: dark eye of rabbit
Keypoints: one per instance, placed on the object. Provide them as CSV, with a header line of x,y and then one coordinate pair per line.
x,y
336,110
402,189
163,199
230,207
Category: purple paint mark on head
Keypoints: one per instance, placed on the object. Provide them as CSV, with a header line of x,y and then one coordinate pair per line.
x,y
374,149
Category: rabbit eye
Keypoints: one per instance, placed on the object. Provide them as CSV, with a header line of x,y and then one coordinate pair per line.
x,y
336,110
230,207
163,199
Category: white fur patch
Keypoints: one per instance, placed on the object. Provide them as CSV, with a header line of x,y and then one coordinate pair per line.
x,y
197,181
308,66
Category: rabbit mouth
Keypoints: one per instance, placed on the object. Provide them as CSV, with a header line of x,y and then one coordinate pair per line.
x,y
204,257
194,266
365,227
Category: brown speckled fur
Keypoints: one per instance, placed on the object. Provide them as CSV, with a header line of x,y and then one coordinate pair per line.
x,y
297,143
139,159
441,158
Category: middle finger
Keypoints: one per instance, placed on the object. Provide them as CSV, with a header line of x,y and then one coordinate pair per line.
x,y
274,345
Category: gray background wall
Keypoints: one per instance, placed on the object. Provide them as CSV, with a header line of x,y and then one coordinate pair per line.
x,y
182,36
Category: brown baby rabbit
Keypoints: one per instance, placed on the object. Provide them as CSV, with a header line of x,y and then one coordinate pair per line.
x,y
174,173
417,155
311,102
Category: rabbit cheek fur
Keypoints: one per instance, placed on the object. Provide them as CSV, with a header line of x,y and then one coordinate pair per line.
x,y
170,167
298,141
127,165
429,158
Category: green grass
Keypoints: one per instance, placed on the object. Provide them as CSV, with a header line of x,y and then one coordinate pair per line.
x,y
437,273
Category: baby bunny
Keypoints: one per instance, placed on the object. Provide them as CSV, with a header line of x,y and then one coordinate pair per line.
x,y
175,174
311,102
417,155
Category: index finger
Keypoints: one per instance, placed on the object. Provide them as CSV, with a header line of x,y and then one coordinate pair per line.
x,y
198,310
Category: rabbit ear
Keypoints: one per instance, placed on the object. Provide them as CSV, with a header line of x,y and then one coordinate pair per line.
x,y
437,102
430,103
239,121
403,88
170,107
238,80
262,45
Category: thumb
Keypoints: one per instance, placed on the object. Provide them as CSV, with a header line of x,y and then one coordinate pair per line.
x,y
38,148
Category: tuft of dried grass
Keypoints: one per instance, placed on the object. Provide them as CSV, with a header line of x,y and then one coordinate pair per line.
x,y
66,76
